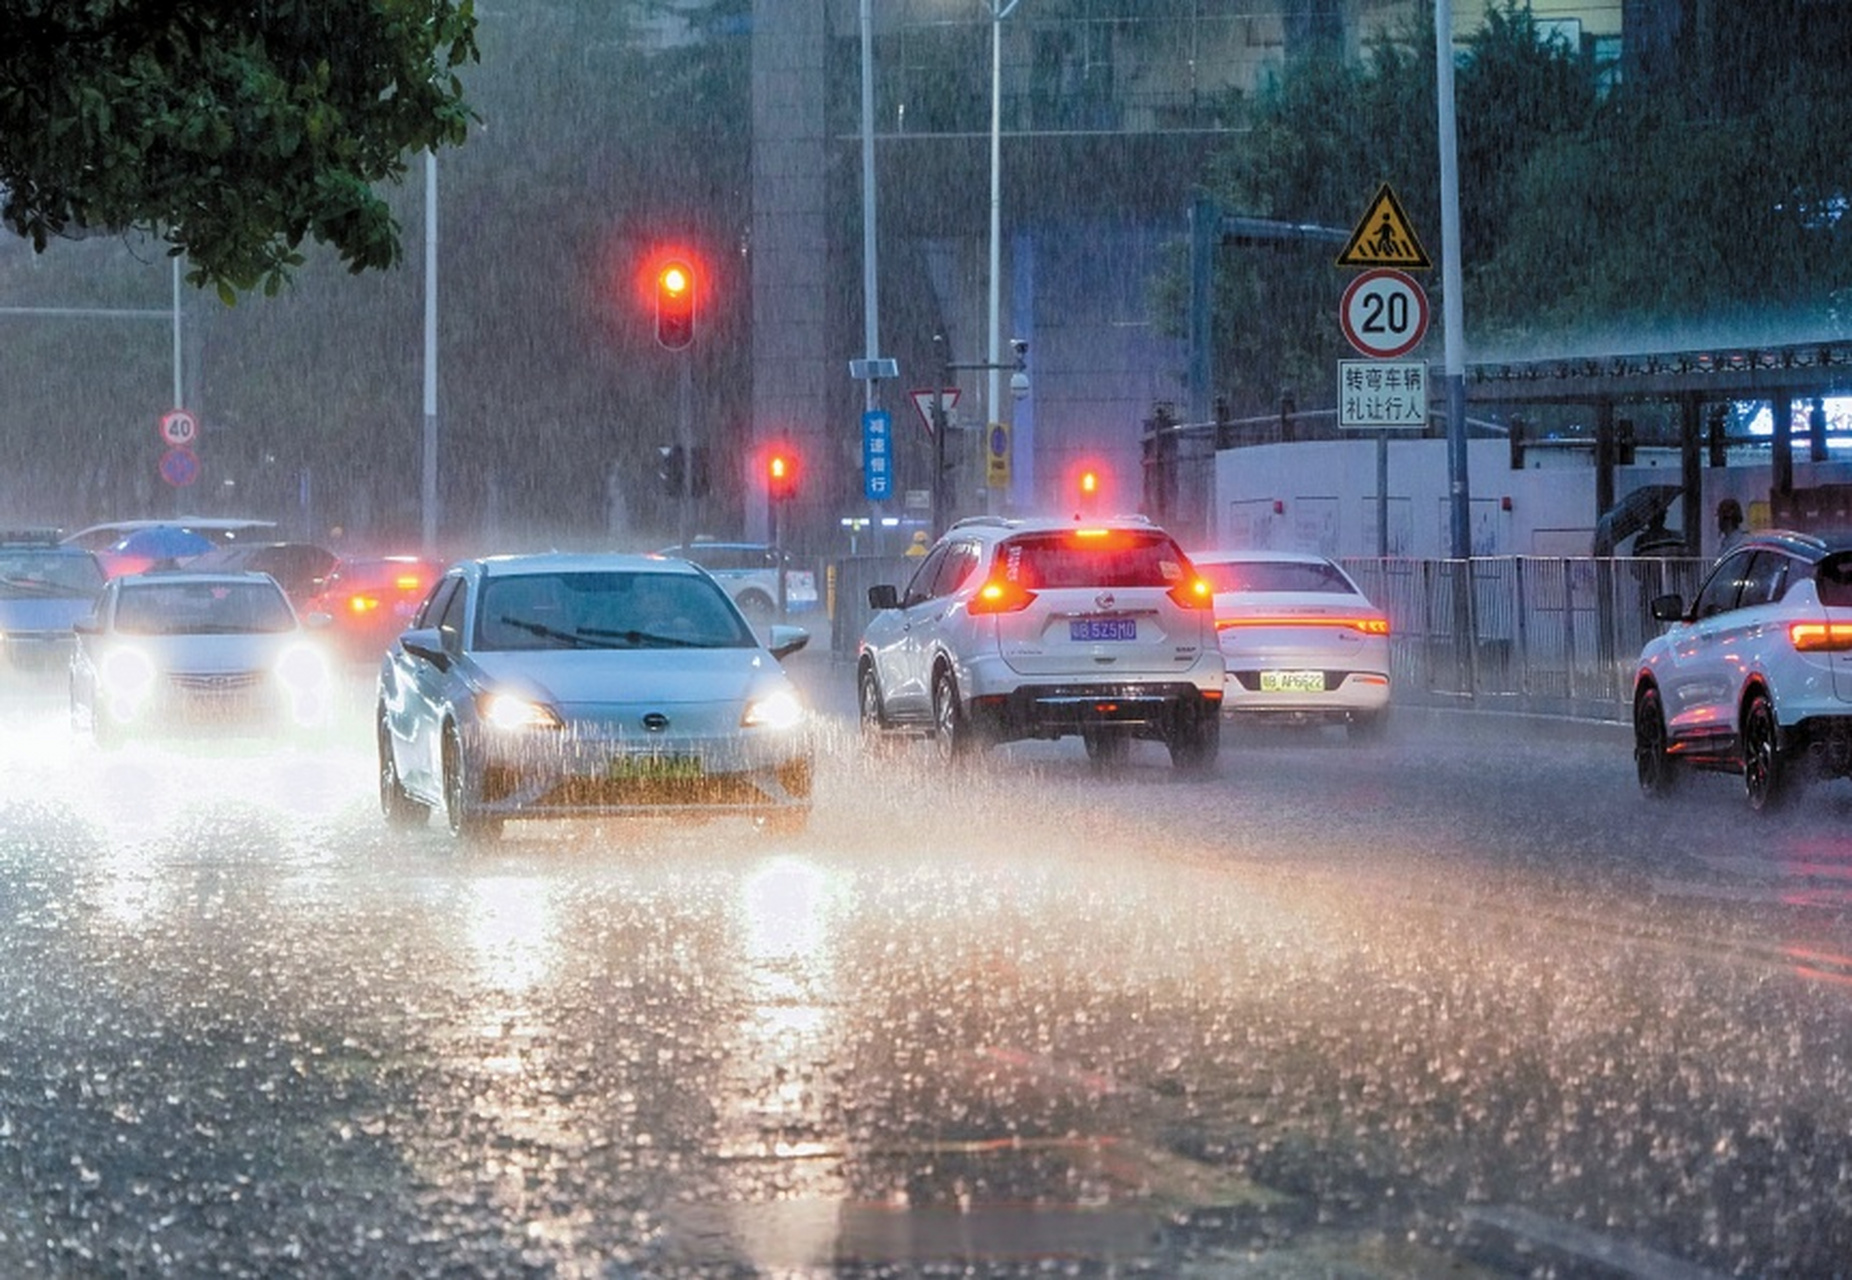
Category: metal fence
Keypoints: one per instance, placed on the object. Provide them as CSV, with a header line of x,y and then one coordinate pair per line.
x,y
1533,634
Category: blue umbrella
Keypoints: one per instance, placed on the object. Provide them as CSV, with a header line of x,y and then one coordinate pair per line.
x,y
162,542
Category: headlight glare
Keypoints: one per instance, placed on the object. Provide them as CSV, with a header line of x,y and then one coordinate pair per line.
x,y
779,709
508,713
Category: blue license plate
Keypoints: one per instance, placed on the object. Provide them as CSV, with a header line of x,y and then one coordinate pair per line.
x,y
1084,629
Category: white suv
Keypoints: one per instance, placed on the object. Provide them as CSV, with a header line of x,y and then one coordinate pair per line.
x,y
1754,678
1016,629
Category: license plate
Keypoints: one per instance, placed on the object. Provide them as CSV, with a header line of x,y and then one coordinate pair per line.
x,y
1085,629
654,768
1292,682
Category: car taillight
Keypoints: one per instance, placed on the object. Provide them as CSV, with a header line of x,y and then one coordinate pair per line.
x,y
1820,637
1000,596
1194,593
1368,624
408,582
362,604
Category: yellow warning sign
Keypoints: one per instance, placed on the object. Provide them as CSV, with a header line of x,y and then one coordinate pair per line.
x,y
1385,238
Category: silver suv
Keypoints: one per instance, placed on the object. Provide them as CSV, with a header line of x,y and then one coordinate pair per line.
x,y
1015,629
1755,677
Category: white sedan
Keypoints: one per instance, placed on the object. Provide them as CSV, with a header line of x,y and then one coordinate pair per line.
x,y
567,685
1302,643
177,651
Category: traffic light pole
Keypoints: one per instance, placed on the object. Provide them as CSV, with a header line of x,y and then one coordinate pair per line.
x,y
684,435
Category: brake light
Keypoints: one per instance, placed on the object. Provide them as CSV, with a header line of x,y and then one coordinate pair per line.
x,y
1000,596
408,582
362,604
1368,624
1194,593
1820,637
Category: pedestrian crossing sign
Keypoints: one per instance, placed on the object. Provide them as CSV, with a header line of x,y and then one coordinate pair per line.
x,y
1385,238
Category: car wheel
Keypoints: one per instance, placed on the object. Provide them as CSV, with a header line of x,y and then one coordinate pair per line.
x,y
873,714
1194,744
951,731
462,823
758,608
1107,748
395,803
1765,769
1367,726
1658,771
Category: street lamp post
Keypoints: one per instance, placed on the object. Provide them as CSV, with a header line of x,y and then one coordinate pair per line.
x,y
993,397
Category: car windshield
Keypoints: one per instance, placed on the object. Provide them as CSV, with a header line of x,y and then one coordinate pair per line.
x,y
606,610
1274,575
25,574
202,608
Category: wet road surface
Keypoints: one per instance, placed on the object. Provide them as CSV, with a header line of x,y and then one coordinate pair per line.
x,y
1459,1002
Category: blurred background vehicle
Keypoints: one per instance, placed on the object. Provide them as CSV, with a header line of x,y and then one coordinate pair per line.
x,y
298,567
173,651
369,600
749,571
223,530
1302,642
45,588
161,546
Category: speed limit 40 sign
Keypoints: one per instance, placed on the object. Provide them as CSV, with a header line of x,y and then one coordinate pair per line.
x,y
1384,313
179,428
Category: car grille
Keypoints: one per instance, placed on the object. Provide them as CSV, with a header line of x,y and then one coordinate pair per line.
x,y
228,682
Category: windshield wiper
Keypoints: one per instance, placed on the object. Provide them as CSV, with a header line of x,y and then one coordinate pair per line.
x,y
638,639
577,639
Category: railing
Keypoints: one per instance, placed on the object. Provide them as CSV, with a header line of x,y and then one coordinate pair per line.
x,y
1531,634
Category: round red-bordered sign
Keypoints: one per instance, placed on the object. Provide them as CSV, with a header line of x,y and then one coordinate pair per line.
x,y
1384,313
179,467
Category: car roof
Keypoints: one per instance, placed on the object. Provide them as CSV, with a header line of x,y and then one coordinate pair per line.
x,y
1005,525
581,562
1808,546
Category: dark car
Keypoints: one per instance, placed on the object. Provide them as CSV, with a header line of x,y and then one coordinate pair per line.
x,y
298,567
369,600
45,588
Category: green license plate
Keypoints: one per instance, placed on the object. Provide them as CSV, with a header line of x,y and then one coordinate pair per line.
x,y
655,768
1292,682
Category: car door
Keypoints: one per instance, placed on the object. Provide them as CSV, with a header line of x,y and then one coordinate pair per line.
x,y
894,648
1707,652
423,691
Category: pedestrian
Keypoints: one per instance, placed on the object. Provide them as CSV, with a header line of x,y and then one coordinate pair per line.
x,y
917,547
1729,524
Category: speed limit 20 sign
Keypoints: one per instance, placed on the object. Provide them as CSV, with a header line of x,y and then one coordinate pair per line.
x,y
1384,313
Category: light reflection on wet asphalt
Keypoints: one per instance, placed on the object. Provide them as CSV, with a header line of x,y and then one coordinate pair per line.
x,y
1458,1001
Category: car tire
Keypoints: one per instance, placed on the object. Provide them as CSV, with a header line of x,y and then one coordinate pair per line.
x,y
1107,748
395,804
1657,771
758,608
951,730
462,823
1195,743
872,710
1766,772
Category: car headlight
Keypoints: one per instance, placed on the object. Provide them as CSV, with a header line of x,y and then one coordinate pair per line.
x,y
779,709
511,714
127,675
303,668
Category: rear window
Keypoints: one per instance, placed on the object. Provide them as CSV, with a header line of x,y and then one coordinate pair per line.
x,y
1833,578
1091,558
1275,575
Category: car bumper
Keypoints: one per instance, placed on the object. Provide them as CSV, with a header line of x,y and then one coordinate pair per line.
x,y
1143,709
1344,695
531,777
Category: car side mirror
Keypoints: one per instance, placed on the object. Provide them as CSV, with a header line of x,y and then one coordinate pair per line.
x,y
884,596
784,641
426,643
1668,608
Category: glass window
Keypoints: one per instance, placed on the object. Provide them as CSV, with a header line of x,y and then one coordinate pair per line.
x,y
607,610
1766,579
960,559
1275,575
203,608
919,587
450,617
1725,584
1833,579
1092,558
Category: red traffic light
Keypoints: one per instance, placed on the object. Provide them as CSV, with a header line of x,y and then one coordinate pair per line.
x,y
675,305
780,476
1089,483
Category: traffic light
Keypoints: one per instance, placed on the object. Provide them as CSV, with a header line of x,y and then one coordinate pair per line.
x,y
781,475
1089,485
675,305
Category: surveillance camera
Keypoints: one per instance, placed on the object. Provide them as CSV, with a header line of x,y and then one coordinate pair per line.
x,y
1020,346
1019,384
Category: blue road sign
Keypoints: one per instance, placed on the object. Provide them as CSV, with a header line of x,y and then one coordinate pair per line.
x,y
179,466
877,455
